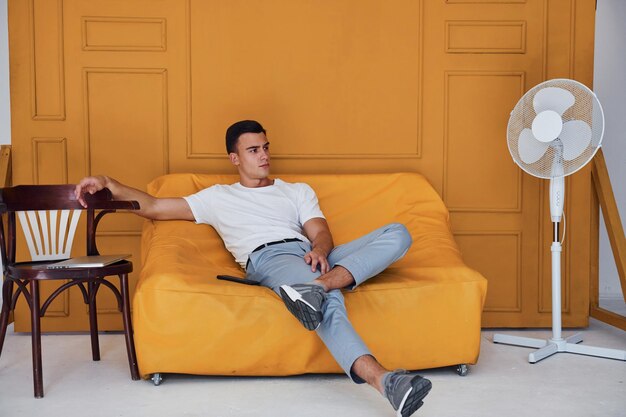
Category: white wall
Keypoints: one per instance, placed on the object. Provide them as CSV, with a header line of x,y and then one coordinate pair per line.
x,y
610,86
5,114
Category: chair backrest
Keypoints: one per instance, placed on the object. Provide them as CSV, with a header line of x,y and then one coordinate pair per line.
x,y
48,235
49,216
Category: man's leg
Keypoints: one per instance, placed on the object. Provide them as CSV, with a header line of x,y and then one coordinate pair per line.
x,y
404,390
350,264
281,264
369,370
282,267
284,264
355,262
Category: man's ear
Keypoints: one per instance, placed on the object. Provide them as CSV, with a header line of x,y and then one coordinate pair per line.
x,y
234,158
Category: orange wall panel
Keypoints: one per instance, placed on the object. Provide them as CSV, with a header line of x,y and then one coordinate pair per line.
x,y
136,89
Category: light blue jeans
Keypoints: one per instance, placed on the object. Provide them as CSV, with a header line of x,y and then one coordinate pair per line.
x,y
283,264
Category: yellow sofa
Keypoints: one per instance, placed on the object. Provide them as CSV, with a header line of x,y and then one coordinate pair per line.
x,y
422,312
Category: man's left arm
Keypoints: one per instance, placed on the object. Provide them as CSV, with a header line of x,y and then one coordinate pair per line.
x,y
317,231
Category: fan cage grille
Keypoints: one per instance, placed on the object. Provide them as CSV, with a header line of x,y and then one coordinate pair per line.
x,y
586,108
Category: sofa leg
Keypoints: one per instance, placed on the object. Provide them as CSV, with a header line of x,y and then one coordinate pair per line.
x,y
462,369
157,379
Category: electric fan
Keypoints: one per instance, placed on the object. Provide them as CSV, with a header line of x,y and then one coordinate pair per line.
x,y
554,130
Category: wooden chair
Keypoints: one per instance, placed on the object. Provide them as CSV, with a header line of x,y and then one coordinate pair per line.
x,y
49,217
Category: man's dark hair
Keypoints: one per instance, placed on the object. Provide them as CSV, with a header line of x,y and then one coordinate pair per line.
x,y
238,129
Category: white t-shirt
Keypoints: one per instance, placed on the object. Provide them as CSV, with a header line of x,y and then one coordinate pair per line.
x,y
246,218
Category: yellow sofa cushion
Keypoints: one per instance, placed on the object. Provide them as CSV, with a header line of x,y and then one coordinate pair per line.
x,y
422,312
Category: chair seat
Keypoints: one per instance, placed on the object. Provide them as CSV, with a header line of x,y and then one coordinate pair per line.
x,y
39,270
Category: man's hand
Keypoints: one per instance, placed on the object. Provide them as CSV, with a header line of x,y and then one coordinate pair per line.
x,y
317,257
317,231
89,185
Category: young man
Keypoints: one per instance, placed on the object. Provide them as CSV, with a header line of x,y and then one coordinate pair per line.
x,y
278,234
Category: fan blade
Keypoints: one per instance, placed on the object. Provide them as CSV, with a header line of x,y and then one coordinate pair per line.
x,y
576,137
530,149
553,98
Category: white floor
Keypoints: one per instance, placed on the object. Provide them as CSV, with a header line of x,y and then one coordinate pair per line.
x,y
503,383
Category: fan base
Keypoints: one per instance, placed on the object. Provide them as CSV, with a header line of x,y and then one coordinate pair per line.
x,y
549,347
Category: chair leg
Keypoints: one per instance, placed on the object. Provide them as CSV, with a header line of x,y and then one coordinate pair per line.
x,y
93,321
7,296
128,328
36,338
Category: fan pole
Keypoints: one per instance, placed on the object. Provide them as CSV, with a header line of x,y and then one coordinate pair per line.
x,y
556,284
546,348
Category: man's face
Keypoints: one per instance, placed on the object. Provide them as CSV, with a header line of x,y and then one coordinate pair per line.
x,y
253,156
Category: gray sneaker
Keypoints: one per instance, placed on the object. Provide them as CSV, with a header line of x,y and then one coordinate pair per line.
x,y
305,302
405,391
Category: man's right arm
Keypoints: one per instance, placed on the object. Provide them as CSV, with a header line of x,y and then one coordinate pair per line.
x,y
150,207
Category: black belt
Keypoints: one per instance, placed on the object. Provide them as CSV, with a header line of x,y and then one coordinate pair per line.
x,y
265,245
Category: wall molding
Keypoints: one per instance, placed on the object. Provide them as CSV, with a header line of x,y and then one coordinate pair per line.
x,y
35,142
86,115
35,113
485,1
160,46
452,24
446,117
518,277
191,154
